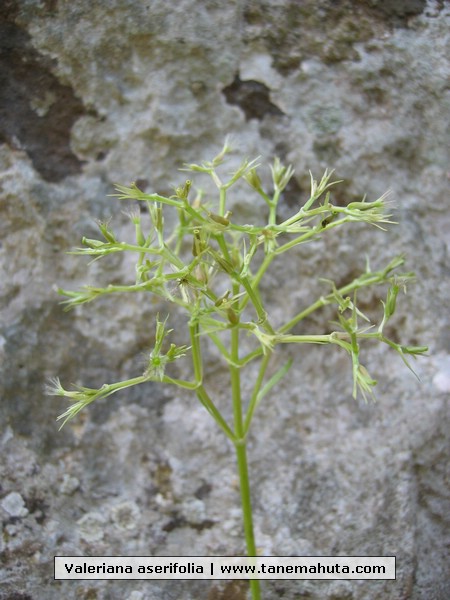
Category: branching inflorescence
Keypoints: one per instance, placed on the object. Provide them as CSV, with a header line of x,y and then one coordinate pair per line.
x,y
212,266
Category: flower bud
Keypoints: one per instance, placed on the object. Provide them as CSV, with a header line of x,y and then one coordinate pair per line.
x,y
107,232
414,350
91,243
198,244
232,316
391,300
218,219
252,178
182,191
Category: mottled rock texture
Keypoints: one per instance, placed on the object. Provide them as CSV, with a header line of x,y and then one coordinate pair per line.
x,y
94,93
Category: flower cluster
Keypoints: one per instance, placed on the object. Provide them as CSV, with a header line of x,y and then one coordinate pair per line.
x,y
214,279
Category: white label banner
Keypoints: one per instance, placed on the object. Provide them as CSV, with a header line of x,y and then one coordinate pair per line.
x,y
224,567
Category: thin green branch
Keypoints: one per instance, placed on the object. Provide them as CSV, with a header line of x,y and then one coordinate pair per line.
x,y
255,394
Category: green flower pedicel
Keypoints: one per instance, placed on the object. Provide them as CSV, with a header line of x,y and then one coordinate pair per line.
x,y
211,266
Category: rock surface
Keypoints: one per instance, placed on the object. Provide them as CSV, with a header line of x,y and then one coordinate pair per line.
x,y
97,93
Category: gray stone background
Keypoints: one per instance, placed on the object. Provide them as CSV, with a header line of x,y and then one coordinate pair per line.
x,y
94,93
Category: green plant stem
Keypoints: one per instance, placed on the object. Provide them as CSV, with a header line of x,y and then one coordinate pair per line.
x,y
241,452
222,200
273,208
256,301
256,390
204,398
202,394
241,455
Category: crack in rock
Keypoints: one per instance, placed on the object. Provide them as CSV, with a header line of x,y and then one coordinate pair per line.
x,y
252,97
36,111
